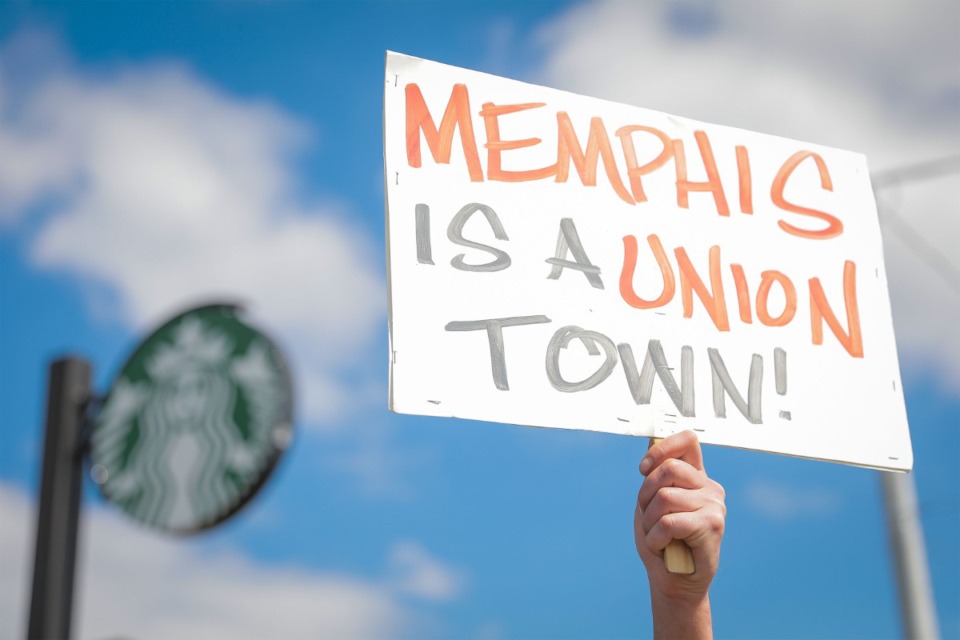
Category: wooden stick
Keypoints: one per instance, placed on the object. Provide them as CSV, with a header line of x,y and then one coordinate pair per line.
x,y
677,557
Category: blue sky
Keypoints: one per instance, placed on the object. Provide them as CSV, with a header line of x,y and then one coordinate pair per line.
x,y
157,154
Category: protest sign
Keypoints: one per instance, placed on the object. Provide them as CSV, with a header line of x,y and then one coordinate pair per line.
x,y
562,261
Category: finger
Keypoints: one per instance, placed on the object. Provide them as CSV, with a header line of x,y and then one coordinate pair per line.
x,y
701,528
672,473
683,445
672,500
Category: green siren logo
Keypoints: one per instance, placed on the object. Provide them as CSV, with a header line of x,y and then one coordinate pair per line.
x,y
194,422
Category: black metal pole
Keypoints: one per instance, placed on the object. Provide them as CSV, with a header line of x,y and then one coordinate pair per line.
x,y
68,391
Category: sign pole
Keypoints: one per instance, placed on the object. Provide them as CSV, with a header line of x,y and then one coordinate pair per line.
x,y
910,554
68,391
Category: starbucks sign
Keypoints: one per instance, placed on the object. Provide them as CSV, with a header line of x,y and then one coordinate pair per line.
x,y
194,423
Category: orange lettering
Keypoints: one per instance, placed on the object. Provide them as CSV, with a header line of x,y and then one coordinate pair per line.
x,y
713,184
441,142
630,265
714,302
746,180
834,226
598,145
495,145
743,294
634,171
820,310
767,278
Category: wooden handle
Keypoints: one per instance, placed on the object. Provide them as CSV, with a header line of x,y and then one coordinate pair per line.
x,y
677,557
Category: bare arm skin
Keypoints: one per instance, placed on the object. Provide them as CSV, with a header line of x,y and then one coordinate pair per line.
x,y
678,501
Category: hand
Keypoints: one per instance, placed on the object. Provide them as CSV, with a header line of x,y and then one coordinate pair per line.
x,y
677,501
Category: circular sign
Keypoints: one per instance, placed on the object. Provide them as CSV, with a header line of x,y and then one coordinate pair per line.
x,y
194,423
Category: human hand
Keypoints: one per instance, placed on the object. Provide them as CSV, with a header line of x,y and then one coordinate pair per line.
x,y
678,501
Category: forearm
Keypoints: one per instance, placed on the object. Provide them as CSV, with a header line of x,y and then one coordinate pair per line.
x,y
678,501
681,618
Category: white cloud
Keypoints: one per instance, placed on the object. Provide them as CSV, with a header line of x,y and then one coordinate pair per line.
x,y
878,78
132,583
782,503
164,191
417,573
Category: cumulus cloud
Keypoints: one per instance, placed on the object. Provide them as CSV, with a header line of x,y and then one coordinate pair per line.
x,y
880,79
161,190
133,583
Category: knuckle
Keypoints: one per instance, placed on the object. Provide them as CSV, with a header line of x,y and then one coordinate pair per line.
x,y
718,489
716,522
671,499
723,508
666,496
671,467
717,494
669,523
653,513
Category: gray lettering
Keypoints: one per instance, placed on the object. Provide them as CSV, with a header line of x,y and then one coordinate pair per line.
x,y
780,370
494,328
569,240
455,234
424,248
655,363
723,385
561,339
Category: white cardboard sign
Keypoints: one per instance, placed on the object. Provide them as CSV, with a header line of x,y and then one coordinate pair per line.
x,y
562,261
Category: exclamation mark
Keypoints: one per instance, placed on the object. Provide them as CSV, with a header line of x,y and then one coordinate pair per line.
x,y
780,375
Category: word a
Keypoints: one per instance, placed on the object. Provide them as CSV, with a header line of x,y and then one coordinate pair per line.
x,y
712,297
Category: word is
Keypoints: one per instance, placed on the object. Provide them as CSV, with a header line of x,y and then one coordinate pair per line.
x,y
713,297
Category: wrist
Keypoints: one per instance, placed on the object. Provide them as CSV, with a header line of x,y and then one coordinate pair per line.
x,y
679,592
681,615
680,601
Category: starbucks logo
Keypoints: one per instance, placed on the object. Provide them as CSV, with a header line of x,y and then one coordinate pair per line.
x,y
194,423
